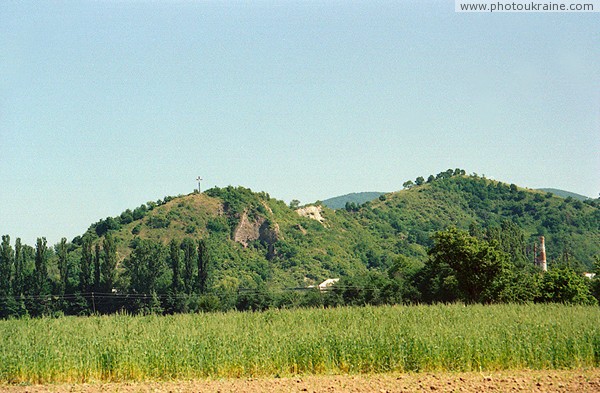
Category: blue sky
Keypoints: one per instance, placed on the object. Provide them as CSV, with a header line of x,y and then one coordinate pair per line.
x,y
107,105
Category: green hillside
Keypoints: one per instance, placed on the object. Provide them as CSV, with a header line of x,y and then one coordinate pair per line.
x,y
257,239
231,248
291,249
408,218
254,239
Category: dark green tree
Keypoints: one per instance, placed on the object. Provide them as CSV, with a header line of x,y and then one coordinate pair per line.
x,y
175,263
510,238
7,302
352,206
37,282
97,267
19,276
109,266
177,301
203,267
476,264
63,266
6,265
565,285
145,266
41,267
87,258
419,180
190,257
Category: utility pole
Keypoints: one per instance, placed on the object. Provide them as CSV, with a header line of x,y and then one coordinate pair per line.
x,y
199,179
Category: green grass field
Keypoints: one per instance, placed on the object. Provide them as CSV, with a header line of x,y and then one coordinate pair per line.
x,y
310,341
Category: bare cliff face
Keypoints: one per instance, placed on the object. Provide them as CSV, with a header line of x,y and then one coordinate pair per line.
x,y
312,212
259,228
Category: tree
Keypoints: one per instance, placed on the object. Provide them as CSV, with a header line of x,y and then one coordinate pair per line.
x,y
85,276
203,266
564,285
419,181
109,267
7,303
294,203
61,251
510,238
175,263
145,266
19,277
190,255
408,184
97,267
6,265
41,267
126,217
352,207
176,302
474,262
39,285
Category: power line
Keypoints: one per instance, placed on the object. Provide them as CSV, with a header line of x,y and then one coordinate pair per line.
x,y
245,291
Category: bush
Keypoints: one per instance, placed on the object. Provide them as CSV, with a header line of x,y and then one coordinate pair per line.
x,y
158,222
566,286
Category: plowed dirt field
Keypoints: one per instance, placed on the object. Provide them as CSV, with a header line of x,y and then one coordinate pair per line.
x,y
503,381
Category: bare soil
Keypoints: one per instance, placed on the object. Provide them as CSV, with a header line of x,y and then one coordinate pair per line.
x,y
587,380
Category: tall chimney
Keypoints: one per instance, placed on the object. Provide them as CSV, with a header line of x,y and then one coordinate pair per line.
x,y
543,254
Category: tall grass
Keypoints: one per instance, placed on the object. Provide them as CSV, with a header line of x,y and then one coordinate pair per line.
x,y
311,341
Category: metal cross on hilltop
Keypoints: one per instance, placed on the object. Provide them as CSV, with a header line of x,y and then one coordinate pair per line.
x,y
199,179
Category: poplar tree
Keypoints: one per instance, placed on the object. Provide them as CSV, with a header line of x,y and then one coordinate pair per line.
x,y
41,267
97,263
203,267
145,266
109,267
175,262
85,276
190,255
61,251
6,263
18,278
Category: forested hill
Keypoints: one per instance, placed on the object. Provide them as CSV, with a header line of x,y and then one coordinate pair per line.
x,y
251,241
357,198
571,227
565,194
256,239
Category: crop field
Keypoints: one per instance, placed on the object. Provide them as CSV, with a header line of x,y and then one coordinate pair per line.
x,y
285,343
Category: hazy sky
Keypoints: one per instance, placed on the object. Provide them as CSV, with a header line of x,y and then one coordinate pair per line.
x,y
107,105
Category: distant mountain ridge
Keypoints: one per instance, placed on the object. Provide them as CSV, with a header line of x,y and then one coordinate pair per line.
x,y
565,194
358,198
339,202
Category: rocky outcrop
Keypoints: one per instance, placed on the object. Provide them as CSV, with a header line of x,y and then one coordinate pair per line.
x,y
259,228
312,212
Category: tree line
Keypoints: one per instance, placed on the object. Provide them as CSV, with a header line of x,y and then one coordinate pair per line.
x,y
476,266
39,280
